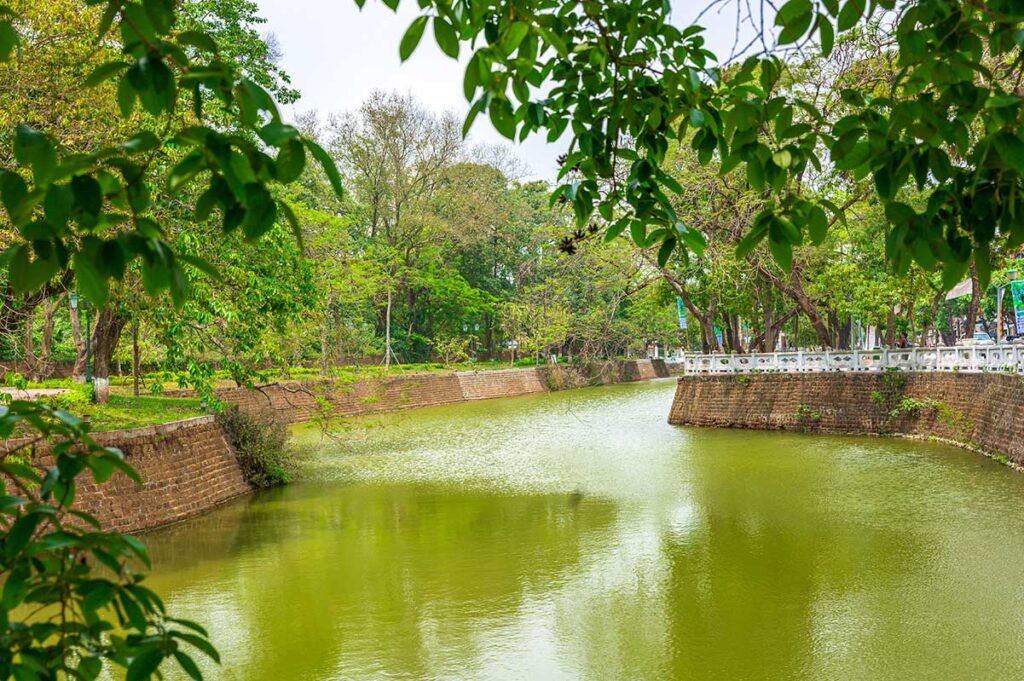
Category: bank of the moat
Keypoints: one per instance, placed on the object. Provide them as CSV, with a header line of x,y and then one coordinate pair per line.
x,y
189,467
981,411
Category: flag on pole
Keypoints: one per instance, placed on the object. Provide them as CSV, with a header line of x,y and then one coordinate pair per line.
x,y
681,309
1017,294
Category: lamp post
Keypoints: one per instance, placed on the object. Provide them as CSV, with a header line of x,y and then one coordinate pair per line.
x,y
84,304
1011,276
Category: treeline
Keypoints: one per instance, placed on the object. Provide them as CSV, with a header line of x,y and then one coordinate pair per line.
x,y
441,250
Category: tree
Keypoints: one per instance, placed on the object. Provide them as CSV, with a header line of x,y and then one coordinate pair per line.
x,y
625,83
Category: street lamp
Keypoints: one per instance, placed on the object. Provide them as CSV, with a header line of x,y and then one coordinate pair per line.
x,y
1011,276
75,303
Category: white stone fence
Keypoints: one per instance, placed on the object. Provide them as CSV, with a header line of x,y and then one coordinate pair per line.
x,y
1000,358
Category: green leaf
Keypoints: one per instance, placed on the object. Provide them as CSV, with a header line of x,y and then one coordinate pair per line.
x,y
20,534
8,40
827,35
189,167
782,251
665,251
276,133
34,148
638,231
412,37
16,585
200,643
293,222
188,665
92,285
144,665
850,14
782,158
795,17
126,97
444,33
750,241
260,211
817,224
328,165
199,40
290,161
755,174
513,36
104,72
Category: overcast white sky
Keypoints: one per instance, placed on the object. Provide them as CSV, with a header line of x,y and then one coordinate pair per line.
x,y
337,54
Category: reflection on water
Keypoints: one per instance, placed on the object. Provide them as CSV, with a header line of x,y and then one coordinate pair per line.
x,y
577,535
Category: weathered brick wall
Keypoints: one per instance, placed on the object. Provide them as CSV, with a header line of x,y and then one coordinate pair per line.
x,y
297,402
981,410
187,468
482,385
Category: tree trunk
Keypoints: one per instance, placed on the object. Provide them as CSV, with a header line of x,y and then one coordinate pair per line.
x,y
972,309
323,349
78,371
28,345
136,359
387,334
105,337
795,290
50,311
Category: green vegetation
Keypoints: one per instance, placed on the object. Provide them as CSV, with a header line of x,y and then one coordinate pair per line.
x,y
261,444
805,412
142,153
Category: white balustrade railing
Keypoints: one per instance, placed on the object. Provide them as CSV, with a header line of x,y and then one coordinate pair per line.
x,y
1000,358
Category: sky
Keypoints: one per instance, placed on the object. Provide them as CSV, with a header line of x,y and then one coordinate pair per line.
x,y
337,54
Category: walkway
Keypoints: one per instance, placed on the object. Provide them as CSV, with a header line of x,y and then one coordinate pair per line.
x,y
1001,358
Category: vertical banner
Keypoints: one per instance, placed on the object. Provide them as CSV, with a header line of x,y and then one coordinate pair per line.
x,y
682,313
1017,294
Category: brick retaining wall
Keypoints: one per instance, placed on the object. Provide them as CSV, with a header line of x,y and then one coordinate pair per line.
x,y
978,410
296,402
187,467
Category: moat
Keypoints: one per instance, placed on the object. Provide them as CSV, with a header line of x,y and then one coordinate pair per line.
x,y
576,535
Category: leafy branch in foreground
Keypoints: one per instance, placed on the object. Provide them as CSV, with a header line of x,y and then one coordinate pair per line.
x,y
626,83
71,597
96,212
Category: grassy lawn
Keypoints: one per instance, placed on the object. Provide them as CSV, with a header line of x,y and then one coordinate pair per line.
x,y
122,385
125,411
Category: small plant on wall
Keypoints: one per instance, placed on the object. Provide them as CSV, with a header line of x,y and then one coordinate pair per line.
x,y
260,442
807,413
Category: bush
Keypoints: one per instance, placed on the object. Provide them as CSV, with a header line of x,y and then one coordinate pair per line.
x,y
74,400
261,445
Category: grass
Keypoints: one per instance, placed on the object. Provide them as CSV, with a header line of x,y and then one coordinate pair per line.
x,y
123,411
167,381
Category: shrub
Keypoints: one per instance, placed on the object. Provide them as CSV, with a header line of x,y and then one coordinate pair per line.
x,y
73,400
261,445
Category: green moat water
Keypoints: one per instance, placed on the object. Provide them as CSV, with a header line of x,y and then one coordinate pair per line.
x,y
576,535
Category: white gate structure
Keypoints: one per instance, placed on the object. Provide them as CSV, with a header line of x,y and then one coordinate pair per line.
x,y
1000,358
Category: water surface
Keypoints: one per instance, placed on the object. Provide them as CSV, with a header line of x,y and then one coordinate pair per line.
x,y
576,535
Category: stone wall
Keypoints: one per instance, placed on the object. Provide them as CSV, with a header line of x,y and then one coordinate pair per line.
x,y
187,468
299,401
980,410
